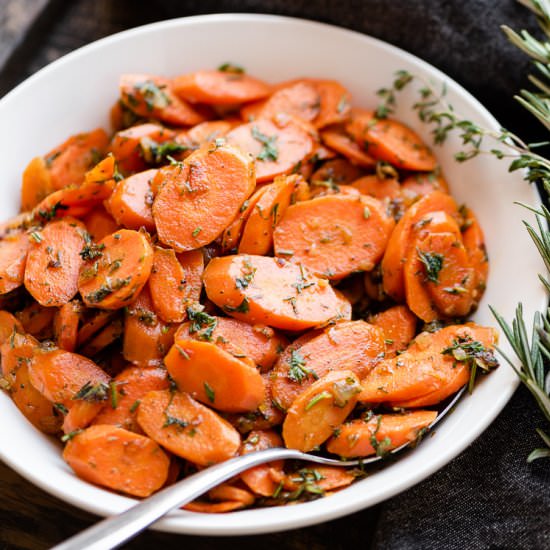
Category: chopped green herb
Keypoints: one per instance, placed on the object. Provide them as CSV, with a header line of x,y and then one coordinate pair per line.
x,y
316,398
92,392
92,251
243,307
61,408
114,394
182,352
174,421
269,150
366,213
70,435
153,95
231,68
433,262
297,371
52,212
201,323
196,231
285,252
36,236
209,392
135,405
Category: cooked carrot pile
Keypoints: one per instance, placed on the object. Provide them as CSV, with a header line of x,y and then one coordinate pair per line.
x,y
237,266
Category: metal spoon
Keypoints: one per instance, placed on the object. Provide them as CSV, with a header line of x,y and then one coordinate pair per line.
x,y
111,532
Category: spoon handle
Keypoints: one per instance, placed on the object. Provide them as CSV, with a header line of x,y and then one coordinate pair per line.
x,y
113,531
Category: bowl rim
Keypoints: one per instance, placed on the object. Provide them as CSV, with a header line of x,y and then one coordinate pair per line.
x,y
316,511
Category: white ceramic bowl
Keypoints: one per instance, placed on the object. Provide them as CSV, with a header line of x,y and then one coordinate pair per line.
x,y
74,94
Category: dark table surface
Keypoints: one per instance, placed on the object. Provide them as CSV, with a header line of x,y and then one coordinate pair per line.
x,y
488,497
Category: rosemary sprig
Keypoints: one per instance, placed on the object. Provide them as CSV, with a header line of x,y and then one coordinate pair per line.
x,y
532,351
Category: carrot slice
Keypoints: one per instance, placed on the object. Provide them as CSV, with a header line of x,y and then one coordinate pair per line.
x,y
398,324
299,99
320,479
260,479
68,162
259,342
232,233
118,459
425,367
398,244
37,320
336,172
339,141
130,386
99,223
175,282
379,188
13,258
420,184
65,325
153,97
334,102
380,434
219,87
278,147
447,274
334,235
53,262
232,498
207,132
213,376
187,428
194,207
257,235
117,271
94,325
131,200
389,140
79,200
126,145
354,345
319,409
259,289
8,325
36,183
111,333
474,242
146,337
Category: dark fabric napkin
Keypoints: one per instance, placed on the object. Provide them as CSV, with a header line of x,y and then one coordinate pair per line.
x,y
489,497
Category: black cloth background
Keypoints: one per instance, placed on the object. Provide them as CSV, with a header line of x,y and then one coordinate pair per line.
x,y
488,497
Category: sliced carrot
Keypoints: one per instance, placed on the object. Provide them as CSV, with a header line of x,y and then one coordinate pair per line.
x,y
196,205
153,97
319,409
187,428
219,87
446,273
16,351
335,103
16,225
126,145
334,235
278,148
379,188
207,132
354,345
36,183
397,248
79,200
117,271
65,325
426,367
68,162
146,337
398,325
259,342
299,99
8,325
420,184
130,386
257,235
131,200
53,262
338,140
380,434
272,291
319,478
99,223
111,333
260,479
232,233
118,459
93,325
214,376
231,497
336,172
13,258
37,320
389,140
175,282
474,242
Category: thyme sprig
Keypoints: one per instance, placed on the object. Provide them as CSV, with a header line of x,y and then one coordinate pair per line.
x,y
532,351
